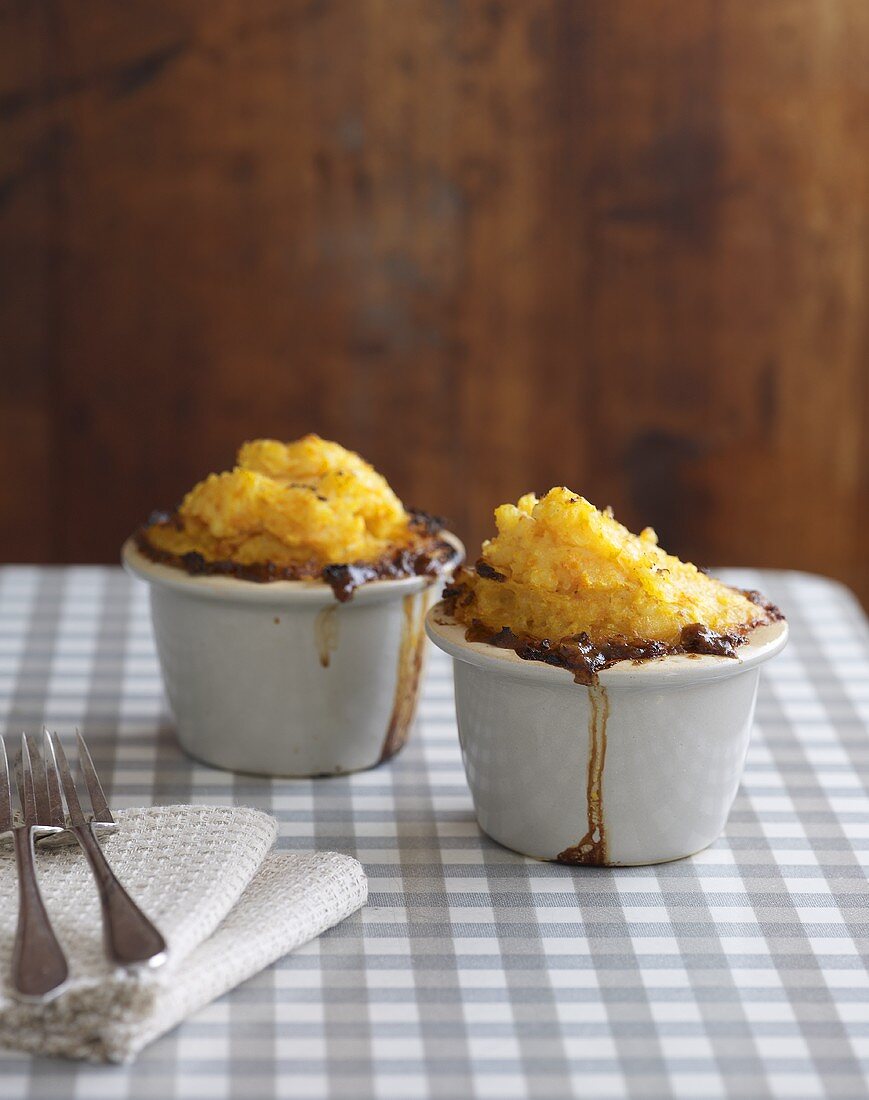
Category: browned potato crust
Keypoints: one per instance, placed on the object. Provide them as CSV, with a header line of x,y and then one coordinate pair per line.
x,y
559,567
306,503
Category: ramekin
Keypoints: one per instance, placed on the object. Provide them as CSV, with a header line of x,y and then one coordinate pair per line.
x,y
641,768
280,678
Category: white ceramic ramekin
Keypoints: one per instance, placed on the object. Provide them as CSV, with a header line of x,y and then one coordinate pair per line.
x,y
641,768
281,679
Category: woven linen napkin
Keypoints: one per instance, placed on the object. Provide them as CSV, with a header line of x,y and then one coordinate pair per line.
x,y
226,905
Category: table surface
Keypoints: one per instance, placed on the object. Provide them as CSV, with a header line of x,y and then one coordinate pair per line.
x,y
474,972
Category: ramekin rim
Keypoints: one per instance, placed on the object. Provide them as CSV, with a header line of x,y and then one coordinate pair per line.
x,y
237,589
765,641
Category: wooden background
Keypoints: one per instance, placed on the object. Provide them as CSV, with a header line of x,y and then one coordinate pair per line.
x,y
617,244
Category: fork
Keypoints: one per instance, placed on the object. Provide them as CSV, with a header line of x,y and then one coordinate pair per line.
x,y
130,937
39,967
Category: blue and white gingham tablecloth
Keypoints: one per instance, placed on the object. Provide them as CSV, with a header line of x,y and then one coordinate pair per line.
x,y
473,972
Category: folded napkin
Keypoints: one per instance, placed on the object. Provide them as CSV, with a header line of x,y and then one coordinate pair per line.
x,y
226,905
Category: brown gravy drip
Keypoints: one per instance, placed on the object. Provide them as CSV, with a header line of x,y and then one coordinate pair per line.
x,y
326,633
585,659
427,555
483,569
591,849
773,614
411,651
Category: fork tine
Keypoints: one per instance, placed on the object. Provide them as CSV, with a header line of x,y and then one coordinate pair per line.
x,y
5,790
55,801
25,785
73,805
98,799
40,785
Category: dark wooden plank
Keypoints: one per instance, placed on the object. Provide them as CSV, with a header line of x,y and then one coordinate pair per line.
x,y
493,246
31,146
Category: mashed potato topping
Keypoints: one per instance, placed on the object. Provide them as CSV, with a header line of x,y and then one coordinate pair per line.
x,y
291,510
558,568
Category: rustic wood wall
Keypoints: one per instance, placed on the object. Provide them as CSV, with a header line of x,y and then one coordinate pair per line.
x,y
492,244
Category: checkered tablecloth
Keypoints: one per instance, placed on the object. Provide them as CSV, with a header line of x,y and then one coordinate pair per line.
x,y
474,972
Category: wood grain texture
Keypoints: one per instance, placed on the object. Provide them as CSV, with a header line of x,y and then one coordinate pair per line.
x,y
494,246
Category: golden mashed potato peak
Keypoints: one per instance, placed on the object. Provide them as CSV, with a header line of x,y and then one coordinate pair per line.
x,y
297,508
558,568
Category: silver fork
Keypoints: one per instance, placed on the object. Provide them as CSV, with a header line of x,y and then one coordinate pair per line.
x,y
130,937
39,967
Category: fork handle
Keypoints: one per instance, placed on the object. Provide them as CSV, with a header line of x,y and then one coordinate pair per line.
x,y
38,964
130,937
